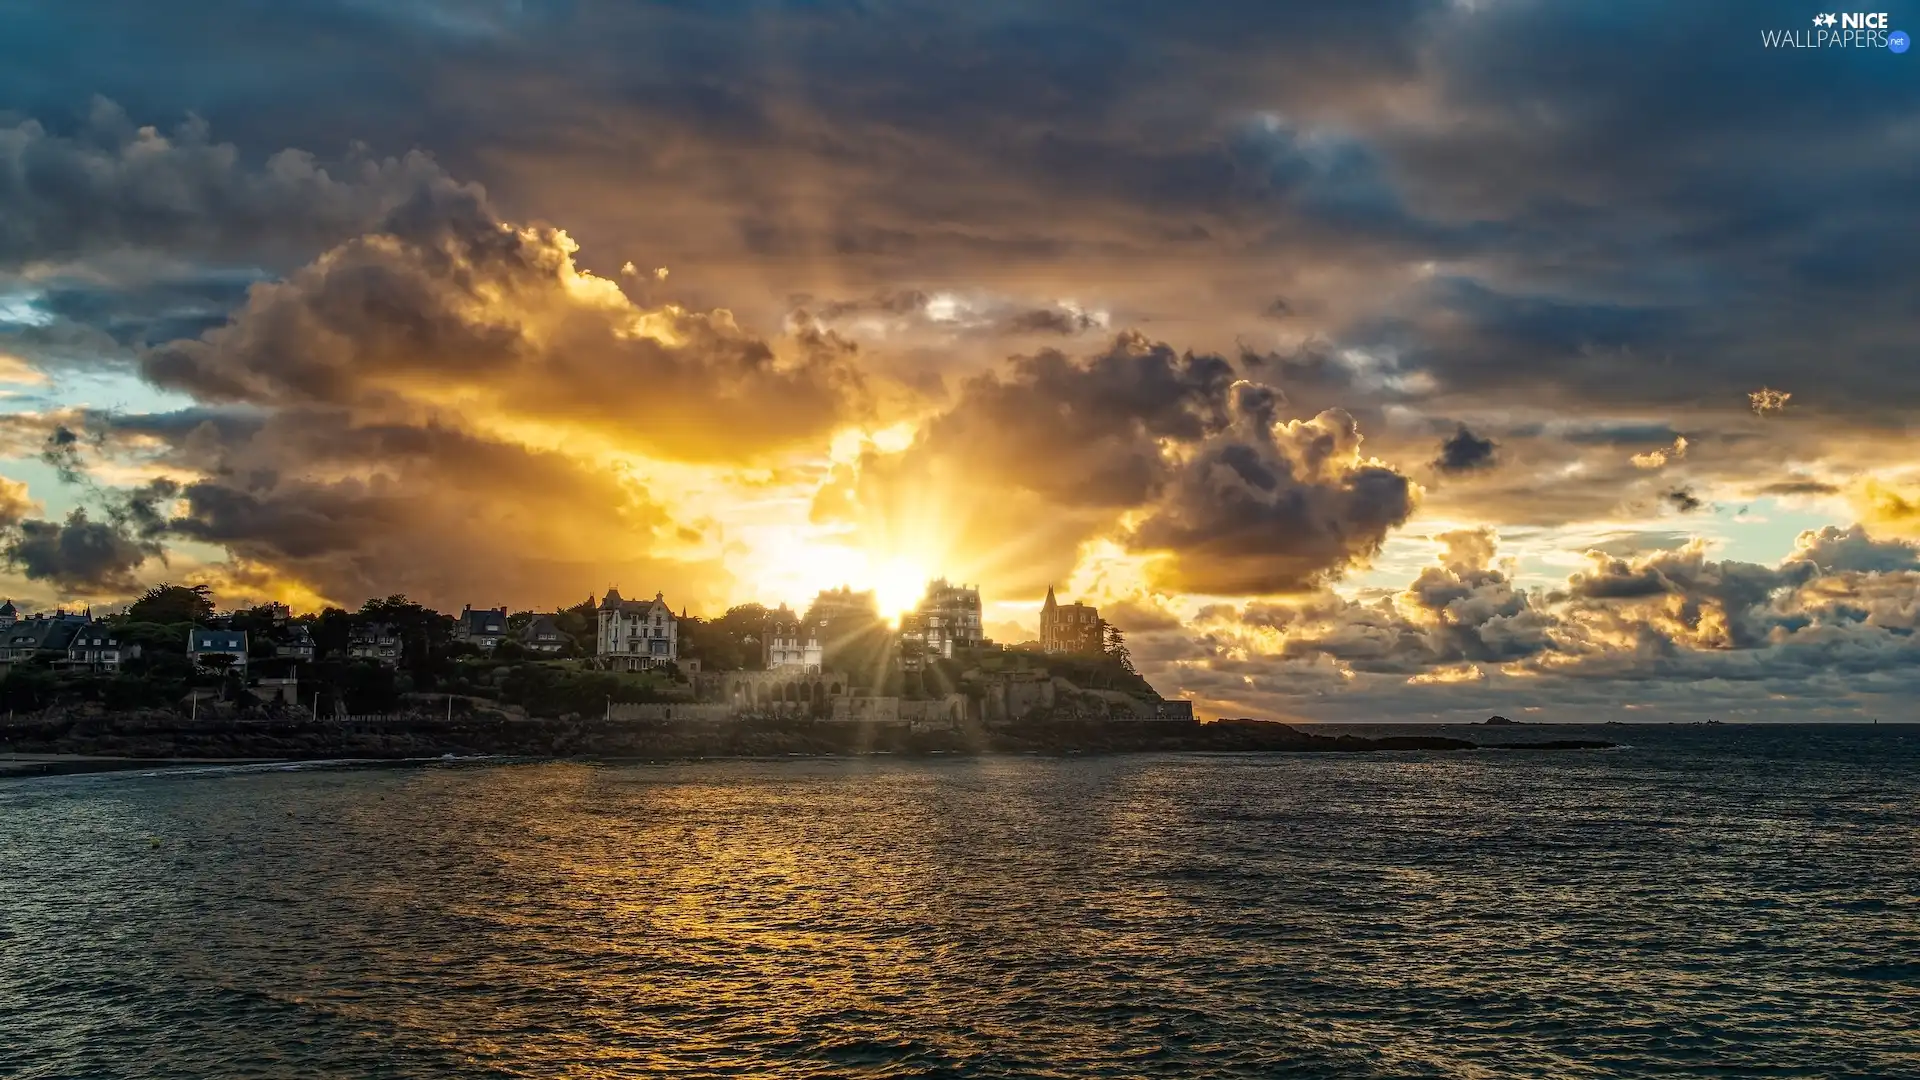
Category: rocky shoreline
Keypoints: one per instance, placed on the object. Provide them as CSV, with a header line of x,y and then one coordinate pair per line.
x,y
151,737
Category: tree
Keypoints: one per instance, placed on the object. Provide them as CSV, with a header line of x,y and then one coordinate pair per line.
x,y
28,689
173,604
154,639
331,630
732,642
1114,645
424,635
255,622
581,621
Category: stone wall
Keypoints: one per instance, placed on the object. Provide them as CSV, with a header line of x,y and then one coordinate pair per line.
x,y
757,689
1012,697
674,711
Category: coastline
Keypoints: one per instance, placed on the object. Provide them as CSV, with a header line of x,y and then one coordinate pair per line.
x,y
90,744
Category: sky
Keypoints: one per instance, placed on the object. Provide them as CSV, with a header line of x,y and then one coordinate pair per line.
x,y
1384,361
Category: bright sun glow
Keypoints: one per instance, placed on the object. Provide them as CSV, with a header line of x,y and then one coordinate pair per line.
x,y
898,585
793,568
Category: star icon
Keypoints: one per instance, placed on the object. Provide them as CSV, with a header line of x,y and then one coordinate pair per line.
x,y
1830,19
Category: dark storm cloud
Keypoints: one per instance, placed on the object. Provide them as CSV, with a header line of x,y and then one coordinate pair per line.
x,y
79,554
1725,602
1265,508
1086,432
62,452
1225,494
112,185
1464,451
148,314
1664,238
1683,500
1050,321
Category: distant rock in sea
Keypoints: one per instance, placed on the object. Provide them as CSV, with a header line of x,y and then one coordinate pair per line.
x,y
1498,721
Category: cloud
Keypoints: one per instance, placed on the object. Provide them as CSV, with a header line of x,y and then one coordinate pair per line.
x,y
1683,500
1087,432
1657,459
348,509
1263,506
15,503
1173,455
1768,402
1464,451
111,185
447,306
79,554
1886,506
1800,487
1837,550
1830,630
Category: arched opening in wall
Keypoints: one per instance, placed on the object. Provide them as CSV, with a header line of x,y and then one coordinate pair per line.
x,y
788,692
835,691
819,695
760,694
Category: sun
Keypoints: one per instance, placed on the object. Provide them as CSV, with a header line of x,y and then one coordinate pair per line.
x,y
898,585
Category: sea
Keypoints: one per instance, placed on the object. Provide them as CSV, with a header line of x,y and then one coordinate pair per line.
x,y
1724,901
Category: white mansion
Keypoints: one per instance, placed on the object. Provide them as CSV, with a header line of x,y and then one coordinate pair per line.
x,y
637,634
792,642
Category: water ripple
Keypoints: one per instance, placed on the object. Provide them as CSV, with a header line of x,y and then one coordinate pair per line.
x,y
1722,903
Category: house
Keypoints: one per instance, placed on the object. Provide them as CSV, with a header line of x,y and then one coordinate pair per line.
x,y
791,643
8,616
1071,628
637,634
912,642
375,641
296,643
948,618
204,645
41,634
97,649
543,634
484,628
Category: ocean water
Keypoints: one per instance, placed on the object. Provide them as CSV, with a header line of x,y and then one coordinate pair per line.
x,y
1725,902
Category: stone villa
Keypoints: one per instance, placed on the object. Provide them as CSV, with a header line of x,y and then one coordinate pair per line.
x,y
637,634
